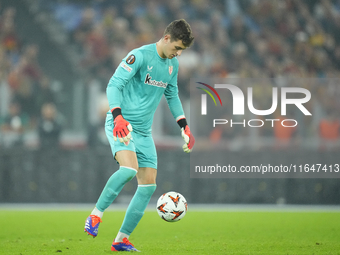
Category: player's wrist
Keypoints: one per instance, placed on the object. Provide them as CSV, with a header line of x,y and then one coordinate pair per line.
x,y
116,112
182,123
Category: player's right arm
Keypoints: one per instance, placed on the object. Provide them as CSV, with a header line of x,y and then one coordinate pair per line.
x,y
129,66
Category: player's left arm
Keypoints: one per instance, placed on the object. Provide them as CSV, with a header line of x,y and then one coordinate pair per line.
x,y
176,108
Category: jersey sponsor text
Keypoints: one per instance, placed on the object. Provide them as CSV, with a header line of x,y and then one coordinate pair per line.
x,y
154,82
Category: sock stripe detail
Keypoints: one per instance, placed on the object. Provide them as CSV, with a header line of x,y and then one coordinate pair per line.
x,y
130,168
147,185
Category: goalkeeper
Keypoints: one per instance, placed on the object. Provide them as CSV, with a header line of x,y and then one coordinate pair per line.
x,y
134,92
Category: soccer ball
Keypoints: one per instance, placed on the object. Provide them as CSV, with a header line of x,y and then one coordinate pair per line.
x,y
172,206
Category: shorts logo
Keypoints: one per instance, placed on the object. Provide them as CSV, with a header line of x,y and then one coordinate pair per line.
x,y
131,59
171,68
126,67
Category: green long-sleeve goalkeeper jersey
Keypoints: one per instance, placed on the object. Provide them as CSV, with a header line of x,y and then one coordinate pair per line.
x,y
138,84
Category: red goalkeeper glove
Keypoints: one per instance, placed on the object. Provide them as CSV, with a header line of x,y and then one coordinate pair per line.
x,y
121,130
188,138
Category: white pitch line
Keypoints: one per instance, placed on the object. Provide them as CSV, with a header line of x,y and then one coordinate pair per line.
x,y
191,207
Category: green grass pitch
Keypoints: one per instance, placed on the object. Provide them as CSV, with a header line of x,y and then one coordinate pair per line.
x,y
61,232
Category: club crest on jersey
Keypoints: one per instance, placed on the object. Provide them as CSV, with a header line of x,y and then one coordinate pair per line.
x,y
171,68
131,59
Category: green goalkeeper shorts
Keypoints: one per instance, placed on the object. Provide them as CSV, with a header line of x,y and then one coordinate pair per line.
x,y
142,145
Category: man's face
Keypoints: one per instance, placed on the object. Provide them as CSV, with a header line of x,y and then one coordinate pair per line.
x,y
172,49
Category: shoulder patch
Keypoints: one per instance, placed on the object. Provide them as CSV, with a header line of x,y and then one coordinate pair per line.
x,y
126,67
131,59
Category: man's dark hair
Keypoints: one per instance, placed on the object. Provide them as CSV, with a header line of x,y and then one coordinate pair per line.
x,y
180,30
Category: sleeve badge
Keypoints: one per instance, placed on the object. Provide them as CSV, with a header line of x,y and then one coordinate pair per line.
x,y
131,59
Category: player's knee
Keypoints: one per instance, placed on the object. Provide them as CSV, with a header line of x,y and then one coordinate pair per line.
x,y
130,176
129,173
145,180
127,158
126,174
146,176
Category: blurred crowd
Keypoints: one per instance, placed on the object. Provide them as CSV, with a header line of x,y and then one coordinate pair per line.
x,y
233,38
26,99
249,38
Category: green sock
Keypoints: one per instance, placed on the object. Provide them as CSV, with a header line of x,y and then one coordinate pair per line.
x,y
114,185
137,207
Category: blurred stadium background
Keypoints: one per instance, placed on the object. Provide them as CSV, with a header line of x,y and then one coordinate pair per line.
x,y
56,57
